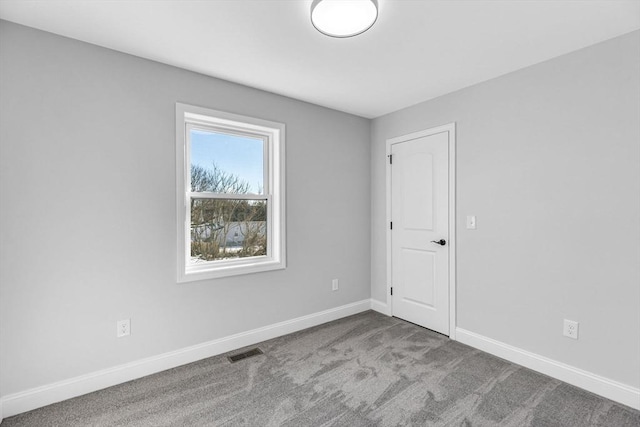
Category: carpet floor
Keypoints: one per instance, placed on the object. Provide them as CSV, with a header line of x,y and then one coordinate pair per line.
x,y
363,370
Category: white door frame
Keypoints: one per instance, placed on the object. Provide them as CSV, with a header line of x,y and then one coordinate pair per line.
x,y
451,128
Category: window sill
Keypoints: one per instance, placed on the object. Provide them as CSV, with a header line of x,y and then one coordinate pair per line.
x,y
205,272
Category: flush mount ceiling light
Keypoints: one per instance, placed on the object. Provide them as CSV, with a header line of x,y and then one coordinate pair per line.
x,y
343,18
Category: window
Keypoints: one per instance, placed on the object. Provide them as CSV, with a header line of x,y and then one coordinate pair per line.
x,y
230,201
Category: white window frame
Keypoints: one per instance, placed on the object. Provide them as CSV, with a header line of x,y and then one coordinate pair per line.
x,y
273,135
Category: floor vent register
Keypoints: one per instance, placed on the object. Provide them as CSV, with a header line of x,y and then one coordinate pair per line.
x,y
245,355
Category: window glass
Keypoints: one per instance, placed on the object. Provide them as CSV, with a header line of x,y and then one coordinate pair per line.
x,y
226,163
227,229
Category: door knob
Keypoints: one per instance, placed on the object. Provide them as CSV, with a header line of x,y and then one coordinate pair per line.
x,y
440,242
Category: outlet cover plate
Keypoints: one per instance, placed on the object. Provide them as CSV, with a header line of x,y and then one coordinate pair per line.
x,y
123,328
570,329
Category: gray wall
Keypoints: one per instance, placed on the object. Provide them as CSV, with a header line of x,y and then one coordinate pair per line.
x,y
548,158
88,211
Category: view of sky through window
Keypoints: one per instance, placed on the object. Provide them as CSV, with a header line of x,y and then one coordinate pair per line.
x,y
238,155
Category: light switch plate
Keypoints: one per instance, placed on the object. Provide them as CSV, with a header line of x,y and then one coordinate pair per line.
x,y
471,222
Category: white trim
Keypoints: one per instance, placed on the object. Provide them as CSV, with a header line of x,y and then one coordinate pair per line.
x,y
273,136
248,196
451,128
380,307
622,393
17,403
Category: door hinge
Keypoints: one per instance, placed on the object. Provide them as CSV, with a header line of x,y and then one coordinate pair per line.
x,y
390,159
392,291
391,225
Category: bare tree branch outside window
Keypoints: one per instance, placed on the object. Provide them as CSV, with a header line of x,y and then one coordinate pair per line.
x,y
225,228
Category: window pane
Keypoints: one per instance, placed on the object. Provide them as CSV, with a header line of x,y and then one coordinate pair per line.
x,y
225,163
227,229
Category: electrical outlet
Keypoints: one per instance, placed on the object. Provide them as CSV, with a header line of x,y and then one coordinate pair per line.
x,y
123,328
570,329
335,284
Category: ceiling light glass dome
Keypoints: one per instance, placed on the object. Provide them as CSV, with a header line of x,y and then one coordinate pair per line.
x,y
343,18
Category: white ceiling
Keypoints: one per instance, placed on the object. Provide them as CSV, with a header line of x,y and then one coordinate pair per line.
x,y
417,50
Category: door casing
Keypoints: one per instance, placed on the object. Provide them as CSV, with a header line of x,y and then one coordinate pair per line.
x,y
451,129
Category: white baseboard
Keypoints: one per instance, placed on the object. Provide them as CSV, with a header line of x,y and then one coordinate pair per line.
x,y
605,387
45,395
380,307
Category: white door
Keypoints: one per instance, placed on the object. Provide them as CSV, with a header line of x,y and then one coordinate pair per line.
x,y
420,231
